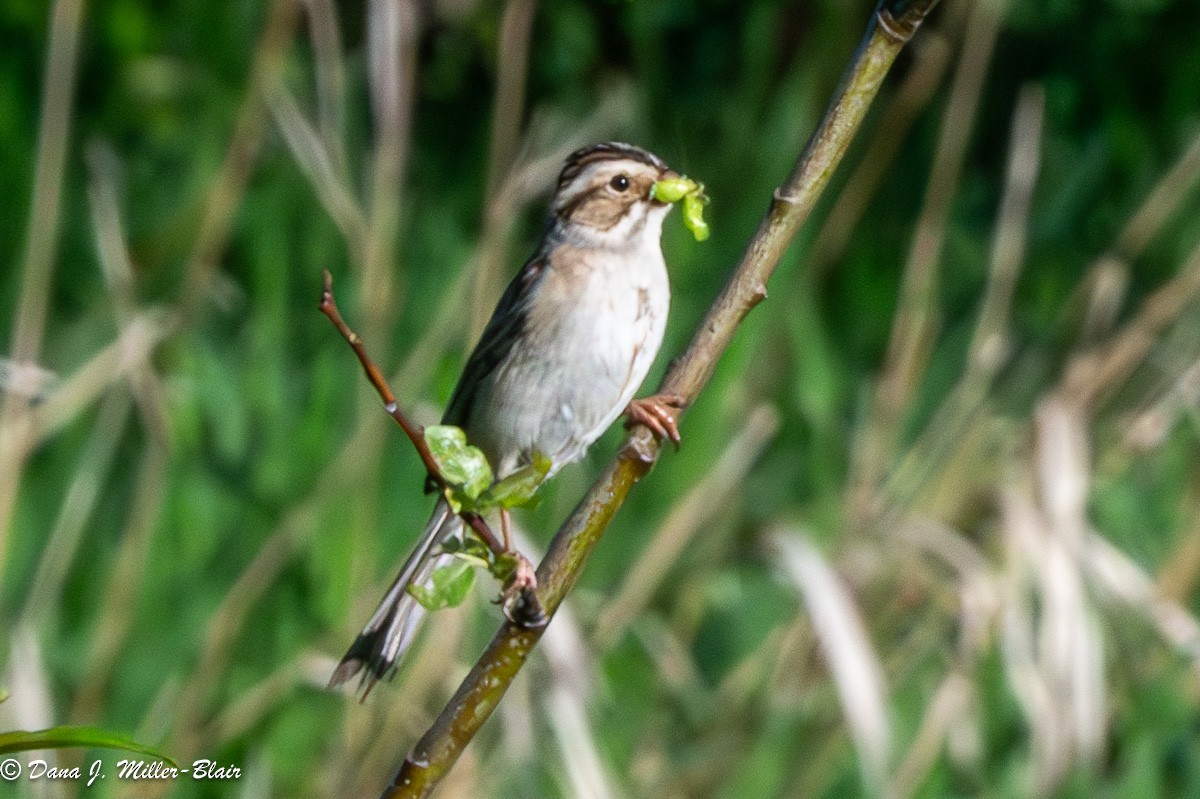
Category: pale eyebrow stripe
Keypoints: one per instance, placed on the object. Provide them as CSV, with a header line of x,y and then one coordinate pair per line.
x,y
580,185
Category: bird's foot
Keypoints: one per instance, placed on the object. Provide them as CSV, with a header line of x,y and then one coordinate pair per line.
x,y
519,598
659,413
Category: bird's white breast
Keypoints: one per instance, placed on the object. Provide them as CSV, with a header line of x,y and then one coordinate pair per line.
x,y
594,327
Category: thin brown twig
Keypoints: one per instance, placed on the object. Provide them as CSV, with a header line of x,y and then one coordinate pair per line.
x,y
294,529
414,431
892,25
525,606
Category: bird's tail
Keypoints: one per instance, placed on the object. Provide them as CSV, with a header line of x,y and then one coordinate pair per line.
x,y
381,644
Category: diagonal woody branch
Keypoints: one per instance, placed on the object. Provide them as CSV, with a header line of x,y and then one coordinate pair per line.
x,y
893,24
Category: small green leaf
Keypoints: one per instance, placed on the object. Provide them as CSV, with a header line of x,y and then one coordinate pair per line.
x,y
518,488
3,694
462,465
72,737
505,567
469,549
449,586
445,439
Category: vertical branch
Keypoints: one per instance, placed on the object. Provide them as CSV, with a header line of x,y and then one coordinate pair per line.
x,y
331,80
41,240
894,23
54,129
226,194
392,41
989,341
516,29
507,113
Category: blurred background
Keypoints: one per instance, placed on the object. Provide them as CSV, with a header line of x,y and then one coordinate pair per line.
x,y
935,527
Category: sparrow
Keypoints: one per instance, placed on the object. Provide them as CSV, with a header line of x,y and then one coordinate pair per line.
x,y
568,345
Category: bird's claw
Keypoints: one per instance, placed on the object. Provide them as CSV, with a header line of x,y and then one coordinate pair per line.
x,y
659,413
520,600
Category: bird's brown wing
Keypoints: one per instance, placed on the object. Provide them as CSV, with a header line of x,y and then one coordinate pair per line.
x,y
503,330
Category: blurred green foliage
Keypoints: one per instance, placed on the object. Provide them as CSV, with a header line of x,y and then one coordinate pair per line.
x,y
261,395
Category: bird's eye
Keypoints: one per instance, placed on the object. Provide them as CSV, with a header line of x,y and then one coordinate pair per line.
x,y
620,183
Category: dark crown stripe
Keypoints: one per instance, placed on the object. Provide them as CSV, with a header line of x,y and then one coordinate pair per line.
x,y
607,151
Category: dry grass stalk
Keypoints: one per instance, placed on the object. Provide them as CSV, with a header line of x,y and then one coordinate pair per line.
x,y
508,113
30,705
116,617
317,161
228,187
902,111
1091,377
952,699
948,436
95,463
851,659
1120,578
392,35
41,242
138,339
571,686
915,321
330,79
